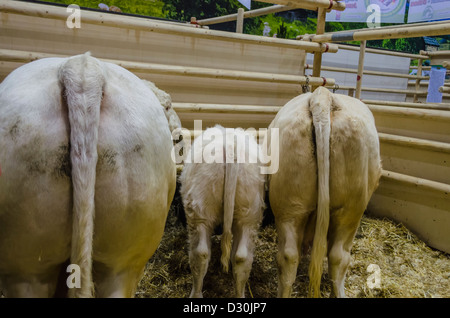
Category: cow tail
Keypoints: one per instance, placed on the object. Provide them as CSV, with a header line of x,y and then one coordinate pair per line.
x,y
320,104
83,82
229,195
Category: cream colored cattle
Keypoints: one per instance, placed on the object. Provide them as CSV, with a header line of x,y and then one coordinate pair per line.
x,y
329,167
216,192
87,177
166,102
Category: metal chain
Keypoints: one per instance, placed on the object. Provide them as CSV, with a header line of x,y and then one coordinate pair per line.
x,y
335,88
305,87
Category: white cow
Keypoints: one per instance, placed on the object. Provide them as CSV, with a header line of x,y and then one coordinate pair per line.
x,y
87,176
166,102
231,194
329,167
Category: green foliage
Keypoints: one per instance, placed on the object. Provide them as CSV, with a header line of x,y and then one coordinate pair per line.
x,y
151,8
282,31
285,29
411,45
183,10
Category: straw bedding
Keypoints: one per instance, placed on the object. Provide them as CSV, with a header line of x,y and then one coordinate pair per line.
x,y
408,267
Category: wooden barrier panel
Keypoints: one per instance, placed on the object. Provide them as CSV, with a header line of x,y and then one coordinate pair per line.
x,y
416,157
165,69
149,25
422,205
428,124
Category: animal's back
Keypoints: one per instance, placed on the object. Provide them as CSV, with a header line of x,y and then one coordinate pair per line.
x,y
204,182
353,134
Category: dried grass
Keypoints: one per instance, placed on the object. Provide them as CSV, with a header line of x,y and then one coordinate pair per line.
x,y
408,267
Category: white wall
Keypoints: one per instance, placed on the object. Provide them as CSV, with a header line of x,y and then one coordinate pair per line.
x,y
372,61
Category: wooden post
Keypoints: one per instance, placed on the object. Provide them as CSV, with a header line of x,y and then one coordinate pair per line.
x,y
360,69
317,64
240,21
419,73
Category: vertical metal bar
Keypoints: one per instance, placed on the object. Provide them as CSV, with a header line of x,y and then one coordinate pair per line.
x,y
240,21
317,64
419,73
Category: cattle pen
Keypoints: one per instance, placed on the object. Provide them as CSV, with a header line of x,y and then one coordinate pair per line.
x,y
241,80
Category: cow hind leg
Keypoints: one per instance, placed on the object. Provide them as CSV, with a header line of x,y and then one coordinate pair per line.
x,y
30,286
115,283
242,258
199,256
290,237
343,226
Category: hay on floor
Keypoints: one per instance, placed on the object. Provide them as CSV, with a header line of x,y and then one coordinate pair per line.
x,y
407,266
